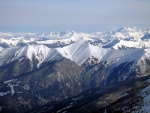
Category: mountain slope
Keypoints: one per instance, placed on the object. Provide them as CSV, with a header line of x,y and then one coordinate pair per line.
x,y
58,72
57,39
78,52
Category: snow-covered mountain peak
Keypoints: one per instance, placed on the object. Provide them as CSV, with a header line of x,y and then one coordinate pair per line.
x,y
39,51
30,52
60,39
129,29
81,52
65,64
129,32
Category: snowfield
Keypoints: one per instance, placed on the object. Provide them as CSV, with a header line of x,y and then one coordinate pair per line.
x,y
124,44
41,69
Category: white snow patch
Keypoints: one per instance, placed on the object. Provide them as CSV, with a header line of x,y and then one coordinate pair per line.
x,y
12,88
12,83
125,94
8,81
26,87
4,93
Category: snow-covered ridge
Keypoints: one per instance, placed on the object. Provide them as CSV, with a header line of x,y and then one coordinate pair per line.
x,y
124,44
115,39
39,52
79,52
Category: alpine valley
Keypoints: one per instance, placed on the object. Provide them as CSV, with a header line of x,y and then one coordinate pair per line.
x,y
70,72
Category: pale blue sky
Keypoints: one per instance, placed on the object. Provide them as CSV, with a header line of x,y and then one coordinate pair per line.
x,y
78,15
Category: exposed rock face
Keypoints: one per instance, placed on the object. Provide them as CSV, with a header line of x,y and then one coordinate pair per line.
x,y
28,87
52,82
73,72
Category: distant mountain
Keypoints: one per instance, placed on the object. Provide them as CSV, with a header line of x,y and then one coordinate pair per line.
x,y
116,39
40,71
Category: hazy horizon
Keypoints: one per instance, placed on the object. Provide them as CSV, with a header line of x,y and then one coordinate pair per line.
x,y
78,15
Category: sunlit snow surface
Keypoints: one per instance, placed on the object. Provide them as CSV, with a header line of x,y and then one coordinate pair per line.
x,y
127,44
78,52
124,44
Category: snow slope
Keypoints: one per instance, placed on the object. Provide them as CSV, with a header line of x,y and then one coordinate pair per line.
x,y
40,52
79,52
116,39
125,33
124,44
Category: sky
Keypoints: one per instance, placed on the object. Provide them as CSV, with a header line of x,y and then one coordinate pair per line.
x,y
79,15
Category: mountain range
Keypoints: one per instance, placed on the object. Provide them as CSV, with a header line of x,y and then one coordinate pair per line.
x,y
75,72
